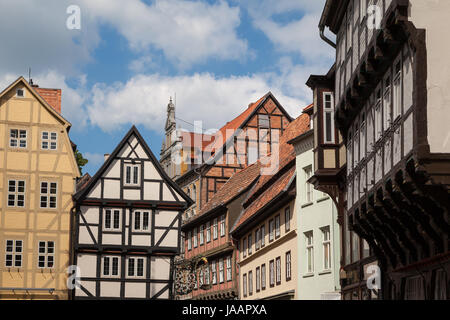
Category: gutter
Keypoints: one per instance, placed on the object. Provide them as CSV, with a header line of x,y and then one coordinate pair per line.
x,y
322,24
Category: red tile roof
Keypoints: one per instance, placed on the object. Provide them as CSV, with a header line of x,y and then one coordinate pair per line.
x,y
237,184
271,185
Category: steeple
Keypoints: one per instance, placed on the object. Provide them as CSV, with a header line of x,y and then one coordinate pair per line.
x,y
170,115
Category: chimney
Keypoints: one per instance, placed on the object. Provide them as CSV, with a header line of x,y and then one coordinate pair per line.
x,y
51,96
106,155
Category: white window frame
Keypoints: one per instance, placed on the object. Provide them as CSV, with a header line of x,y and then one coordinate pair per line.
x,y
258,279
288,266
309,241
229,269
263,276
278,270
397,89
271,230
135,267
19,137
263,235
141,221
307,172
215,229
113,214
16,193
244,284
23,93
277,226
222,225
378,114
387,100
221,271
250,244
132,177
272,273
326,248
363,136
201,235
195,236
189,241
257,239
14,253
214,272
49,140
46,254
328,110
287,219
208,232
250,283
111,259
244,247
50,195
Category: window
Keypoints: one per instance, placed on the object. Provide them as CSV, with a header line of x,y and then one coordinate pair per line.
x,y
207,279
112,220
194,193
189,241
263,276
440,288
221,270
257,239
271,273
141,220
208,231
111,266
263,120
201,277
378,117
271,227
215,229
288,266
397,91
136,267
278,262
387,101
244,284
46,254
250,244
356,145
250,283
13,257
263,235
222,225
18,138
214,272
229,272
258,279
328,116
48,194
20,93
414,288
16,193
202,231
195,238
277,226
309,252
349,152
49,140
244,247
287,219
355,247
362,147
132,174
308,187
326,245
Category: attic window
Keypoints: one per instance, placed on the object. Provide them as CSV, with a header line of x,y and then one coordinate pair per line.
x,y
20,93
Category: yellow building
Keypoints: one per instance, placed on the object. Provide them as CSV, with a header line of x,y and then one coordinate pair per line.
x,y
37,179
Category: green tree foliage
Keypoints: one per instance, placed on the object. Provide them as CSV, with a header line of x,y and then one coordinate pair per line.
x,y
80,161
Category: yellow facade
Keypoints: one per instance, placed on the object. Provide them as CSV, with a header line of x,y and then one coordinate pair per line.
x,y
42,171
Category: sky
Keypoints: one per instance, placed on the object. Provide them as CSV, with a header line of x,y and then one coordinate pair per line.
x,y
119,62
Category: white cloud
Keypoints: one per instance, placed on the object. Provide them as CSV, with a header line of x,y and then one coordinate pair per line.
x,y
94,159
203,97
299,35
187,32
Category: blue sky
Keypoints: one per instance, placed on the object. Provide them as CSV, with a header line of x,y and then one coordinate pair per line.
x,y
129,57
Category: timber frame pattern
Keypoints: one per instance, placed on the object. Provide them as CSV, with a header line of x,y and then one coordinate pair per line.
x,y
158,244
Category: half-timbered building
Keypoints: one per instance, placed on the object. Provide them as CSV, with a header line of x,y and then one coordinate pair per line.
x,y
127,226
390,89
38,171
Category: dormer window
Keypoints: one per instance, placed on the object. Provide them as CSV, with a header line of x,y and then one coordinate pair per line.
x,y
132,174
20,93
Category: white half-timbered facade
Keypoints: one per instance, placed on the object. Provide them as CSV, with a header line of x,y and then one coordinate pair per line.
x,y
127,226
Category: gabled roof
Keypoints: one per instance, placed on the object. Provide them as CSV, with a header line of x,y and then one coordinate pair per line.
x,y
239,122
286,154
57,115
133,131
240,182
